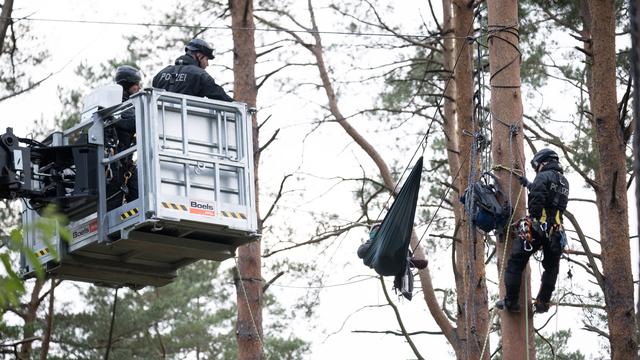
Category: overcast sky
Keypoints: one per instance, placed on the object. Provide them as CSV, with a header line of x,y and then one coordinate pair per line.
x,y
342,309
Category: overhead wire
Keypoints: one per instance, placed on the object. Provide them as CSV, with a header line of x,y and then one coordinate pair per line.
x,y
111,326
425,138
210,27
423,142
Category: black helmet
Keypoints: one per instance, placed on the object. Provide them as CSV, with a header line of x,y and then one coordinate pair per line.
x,y
542,156
201,46
126,74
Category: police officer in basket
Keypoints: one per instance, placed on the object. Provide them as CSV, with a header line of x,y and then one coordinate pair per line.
x,y
188,75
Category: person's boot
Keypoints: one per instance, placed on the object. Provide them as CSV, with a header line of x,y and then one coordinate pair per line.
x,y
419,263
541,307
508,305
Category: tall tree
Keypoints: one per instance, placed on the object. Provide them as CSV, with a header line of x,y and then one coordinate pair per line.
x,y
507,150
611,188
635,68
249,282
474,317
582,155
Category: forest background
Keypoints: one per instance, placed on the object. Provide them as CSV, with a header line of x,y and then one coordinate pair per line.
x,y
324,189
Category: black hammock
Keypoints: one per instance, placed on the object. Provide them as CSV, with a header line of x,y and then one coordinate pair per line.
x,y
387,254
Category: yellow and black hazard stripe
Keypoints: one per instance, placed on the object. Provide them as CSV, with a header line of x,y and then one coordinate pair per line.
x,y
128,214
174,206
42,252
234,214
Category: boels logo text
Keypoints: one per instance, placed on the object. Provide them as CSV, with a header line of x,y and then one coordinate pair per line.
x,y
201,208
91,227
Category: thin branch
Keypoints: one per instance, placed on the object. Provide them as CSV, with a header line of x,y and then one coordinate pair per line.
x,y
272,139
585,245
22,91
596,330
268,283
315,240
278,197
400,322
390,332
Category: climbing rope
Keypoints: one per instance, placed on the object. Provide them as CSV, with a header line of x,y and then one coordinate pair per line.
x,y
501,269
478,145
246,298
423,142
113,318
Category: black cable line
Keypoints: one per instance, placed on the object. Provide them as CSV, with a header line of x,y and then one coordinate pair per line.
x,y
206,27
425,138
493,31
466,44
113,318
324,286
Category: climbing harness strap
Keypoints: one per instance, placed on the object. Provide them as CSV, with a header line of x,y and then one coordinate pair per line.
x,y
525,233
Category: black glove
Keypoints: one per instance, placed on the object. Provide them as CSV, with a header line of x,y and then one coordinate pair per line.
x,y
523,181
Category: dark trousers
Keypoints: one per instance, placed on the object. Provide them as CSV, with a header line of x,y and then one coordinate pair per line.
x,y
552,251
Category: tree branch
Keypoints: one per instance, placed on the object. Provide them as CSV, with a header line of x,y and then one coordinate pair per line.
x,y
275,201
400,322
268,283
272,139
585,246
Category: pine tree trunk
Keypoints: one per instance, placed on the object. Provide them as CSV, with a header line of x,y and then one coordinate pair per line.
x,y
635,68
451,134
249,285
472,297
611,192
508,150
5,21
48,330
450,121
29,316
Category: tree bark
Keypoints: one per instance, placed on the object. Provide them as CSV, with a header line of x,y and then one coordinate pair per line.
x,y
611,192
44,350
472,296
5,21
635,68
249,332
452,135
507,150
29,317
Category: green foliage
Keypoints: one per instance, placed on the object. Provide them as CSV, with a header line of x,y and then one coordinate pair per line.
x,y
555,347
192,317
48,226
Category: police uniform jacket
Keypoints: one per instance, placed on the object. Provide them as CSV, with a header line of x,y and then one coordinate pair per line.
x,y
126,127
186,77
549,194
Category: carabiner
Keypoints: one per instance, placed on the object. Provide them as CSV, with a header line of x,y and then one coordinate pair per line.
x,y
524,245
127,175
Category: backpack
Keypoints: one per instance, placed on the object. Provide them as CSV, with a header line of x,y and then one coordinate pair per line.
x,y
483,208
